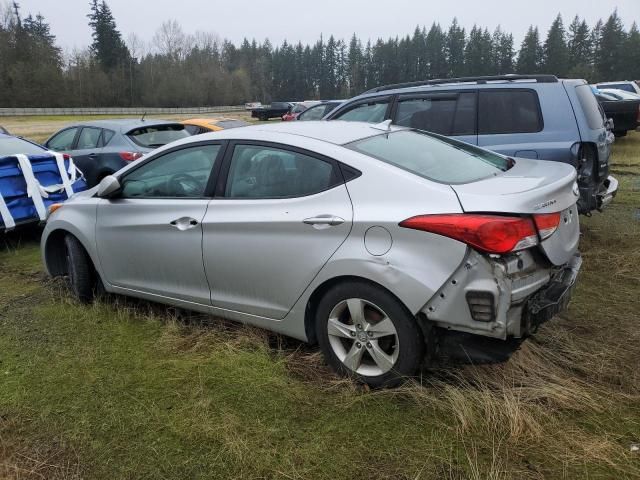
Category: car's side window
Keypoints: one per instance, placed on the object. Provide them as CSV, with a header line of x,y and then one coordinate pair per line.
x,y
182,173
107,135
266,172
373,111
89,138
509,111
446,115
63,140
313,113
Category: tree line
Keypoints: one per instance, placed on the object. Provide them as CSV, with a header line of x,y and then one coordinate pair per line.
x,y
179,69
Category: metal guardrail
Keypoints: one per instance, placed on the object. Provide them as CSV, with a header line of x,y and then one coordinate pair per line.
x,y
10,112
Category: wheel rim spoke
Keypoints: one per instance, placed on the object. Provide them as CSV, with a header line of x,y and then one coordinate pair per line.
x,y
383,328
354,357
384,361
356,311
338,329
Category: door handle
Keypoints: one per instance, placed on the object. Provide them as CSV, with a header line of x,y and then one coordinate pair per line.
x,y
328,220
184,223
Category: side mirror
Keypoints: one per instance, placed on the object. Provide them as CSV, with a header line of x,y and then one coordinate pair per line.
x,y
108,187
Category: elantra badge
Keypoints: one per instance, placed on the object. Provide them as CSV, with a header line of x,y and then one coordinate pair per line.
x,y
542,205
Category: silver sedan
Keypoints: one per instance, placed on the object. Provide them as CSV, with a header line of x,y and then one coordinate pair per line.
x,y
370,240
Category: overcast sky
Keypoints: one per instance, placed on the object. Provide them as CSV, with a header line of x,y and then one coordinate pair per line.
x,y
305,20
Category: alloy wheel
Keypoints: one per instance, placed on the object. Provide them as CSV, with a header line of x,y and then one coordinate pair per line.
x,y
363,337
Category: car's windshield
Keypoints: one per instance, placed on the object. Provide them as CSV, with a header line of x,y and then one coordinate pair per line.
x,y
157,135
434,157
13,145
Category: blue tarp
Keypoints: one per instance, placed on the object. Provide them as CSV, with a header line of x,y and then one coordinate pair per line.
x,y
19,198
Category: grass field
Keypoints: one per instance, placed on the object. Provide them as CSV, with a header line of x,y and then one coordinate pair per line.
x,y
125,389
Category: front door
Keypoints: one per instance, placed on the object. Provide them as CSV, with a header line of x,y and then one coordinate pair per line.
x,y
150,237
282,214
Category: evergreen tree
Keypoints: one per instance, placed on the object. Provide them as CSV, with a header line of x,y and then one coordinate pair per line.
x,y
436,41
503,52
456,43
556,52
631,55
530,55
609,56
478,53
580,49
108,46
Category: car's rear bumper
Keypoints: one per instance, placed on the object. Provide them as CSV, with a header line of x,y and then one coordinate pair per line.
x,y
503,297
554,297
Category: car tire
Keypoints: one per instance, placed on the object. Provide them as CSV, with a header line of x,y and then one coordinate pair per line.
x,y
367,334
79,270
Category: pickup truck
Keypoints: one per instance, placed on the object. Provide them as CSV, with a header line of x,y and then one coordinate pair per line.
x,y
275,110
624,113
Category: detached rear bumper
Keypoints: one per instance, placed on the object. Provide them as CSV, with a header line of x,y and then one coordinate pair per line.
x,y
504,297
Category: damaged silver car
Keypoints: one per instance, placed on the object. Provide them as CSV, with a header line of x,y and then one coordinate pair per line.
x,y
370,240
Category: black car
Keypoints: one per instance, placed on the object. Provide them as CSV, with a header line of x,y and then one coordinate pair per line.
x,y
275,110
102,147
625,114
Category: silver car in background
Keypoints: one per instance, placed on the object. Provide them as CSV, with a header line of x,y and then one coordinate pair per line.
x,y
367,239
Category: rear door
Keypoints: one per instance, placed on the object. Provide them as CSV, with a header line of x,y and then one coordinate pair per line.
x,y
279,215
447,113
86,153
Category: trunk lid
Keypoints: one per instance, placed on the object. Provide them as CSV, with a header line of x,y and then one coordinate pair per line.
x,y
531,187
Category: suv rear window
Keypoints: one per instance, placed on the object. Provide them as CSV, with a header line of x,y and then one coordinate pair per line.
x,y
157,135
590,107
433,157
619,86
453,114
509,111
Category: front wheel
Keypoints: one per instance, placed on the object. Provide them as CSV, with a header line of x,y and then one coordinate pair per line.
x,y
79,270
366,333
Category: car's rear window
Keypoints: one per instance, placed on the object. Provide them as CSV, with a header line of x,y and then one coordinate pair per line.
x,y
590,107
157,135
13,145
434,157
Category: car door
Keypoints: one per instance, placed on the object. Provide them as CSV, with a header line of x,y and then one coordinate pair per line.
x,y
277,218
149,237
447,113
87,150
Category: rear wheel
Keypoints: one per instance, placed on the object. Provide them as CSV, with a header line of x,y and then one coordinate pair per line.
x,y
366,333
79,270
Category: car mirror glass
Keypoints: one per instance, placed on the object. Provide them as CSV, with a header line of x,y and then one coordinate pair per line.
x,y
108,187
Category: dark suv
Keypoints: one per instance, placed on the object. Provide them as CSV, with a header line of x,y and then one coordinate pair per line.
x,y
527,116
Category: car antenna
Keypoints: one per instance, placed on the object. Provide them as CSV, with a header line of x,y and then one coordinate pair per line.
x,y
384,126
143,115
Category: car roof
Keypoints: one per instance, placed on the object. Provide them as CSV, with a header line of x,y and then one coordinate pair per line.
x,y
336,132
123,124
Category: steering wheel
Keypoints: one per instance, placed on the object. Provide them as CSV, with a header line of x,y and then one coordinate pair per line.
x,y
184,185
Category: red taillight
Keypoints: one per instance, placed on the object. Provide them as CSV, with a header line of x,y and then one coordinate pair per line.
x,y
66,156
547,224
130,156
488,233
